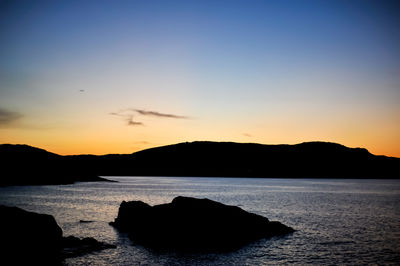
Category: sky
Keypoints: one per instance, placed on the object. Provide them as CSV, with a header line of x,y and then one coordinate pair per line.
x,y
99,77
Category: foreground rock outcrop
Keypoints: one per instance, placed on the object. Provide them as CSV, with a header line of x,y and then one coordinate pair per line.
x,y
28,236
194,225
32,238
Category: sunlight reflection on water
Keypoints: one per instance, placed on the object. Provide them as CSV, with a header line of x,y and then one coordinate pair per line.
x,y
338,221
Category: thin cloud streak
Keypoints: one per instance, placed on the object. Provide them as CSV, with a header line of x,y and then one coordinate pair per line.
x,y
129,114
158,114
131,122
8,117
128,118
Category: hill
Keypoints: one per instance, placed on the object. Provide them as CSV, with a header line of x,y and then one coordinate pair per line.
x,y
307,160
27,165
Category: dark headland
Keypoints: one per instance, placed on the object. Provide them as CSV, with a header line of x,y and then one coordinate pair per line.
x,y
26,165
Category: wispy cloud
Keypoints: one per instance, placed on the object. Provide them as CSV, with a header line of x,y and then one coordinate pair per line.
x,y
131,122
8,117
158,114
130,114
128,118
247,135
141,142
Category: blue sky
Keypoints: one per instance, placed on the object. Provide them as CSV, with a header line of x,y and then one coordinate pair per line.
x,y
278,71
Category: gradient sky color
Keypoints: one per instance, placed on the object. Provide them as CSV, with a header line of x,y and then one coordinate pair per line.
x,y
120,76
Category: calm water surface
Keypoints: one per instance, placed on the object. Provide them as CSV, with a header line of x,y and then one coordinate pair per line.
x,y
337,221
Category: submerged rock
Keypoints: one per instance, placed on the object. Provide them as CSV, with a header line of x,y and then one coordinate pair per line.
x,y
30,238
74,246
194,225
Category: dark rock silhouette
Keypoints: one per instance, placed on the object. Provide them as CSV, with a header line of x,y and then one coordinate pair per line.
x,y
25,165
32,238
74,246
29,237
85,221
194,225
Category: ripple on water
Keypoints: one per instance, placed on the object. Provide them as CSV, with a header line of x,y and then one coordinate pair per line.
x,y
337,221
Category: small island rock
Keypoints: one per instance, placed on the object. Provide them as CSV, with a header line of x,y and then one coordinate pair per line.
x,y
194,225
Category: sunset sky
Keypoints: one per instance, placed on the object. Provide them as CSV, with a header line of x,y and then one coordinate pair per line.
x,y
121,76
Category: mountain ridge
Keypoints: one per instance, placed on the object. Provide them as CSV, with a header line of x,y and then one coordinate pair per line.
x,y
315,159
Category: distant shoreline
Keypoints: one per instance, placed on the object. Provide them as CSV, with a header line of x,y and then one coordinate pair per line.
x,y
26,165
245,177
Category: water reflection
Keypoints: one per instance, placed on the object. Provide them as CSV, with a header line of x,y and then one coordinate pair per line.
x,y
338,221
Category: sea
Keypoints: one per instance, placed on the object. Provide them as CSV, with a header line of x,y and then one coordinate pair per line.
x,y
337,221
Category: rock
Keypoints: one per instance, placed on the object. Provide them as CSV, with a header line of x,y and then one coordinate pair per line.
x,y
31,238
194,225
85,221
74,246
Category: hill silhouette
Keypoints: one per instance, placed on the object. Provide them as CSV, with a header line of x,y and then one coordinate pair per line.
x,y
24,164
